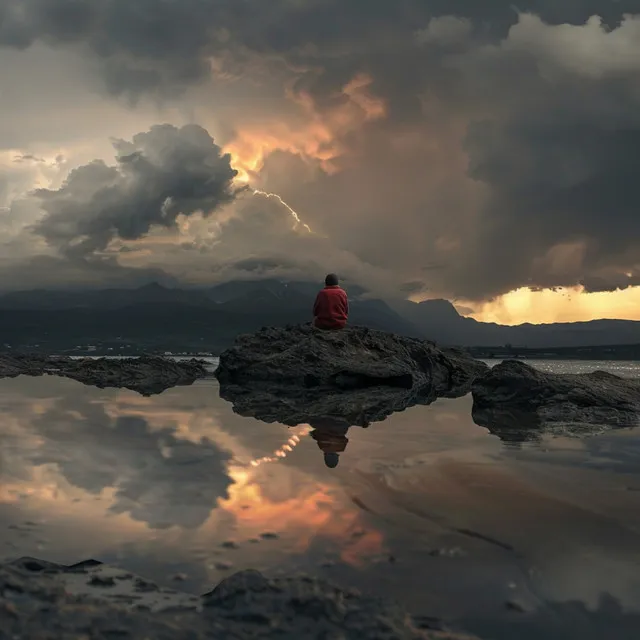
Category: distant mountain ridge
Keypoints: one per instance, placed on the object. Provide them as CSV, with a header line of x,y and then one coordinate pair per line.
x,y
158,315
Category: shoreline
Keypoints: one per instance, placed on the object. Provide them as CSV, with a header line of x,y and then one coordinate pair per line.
x,y
37,596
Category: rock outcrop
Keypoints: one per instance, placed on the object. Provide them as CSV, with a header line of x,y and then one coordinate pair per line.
x,y
294,406
42,600
147,375
514,399
294,374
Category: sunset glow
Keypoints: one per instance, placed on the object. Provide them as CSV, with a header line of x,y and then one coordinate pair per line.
x,y
315,139
563,305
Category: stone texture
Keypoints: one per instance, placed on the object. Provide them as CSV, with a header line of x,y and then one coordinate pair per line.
x,y
34,604
147,375
513,399
295,374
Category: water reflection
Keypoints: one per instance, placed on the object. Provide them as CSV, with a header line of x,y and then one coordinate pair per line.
x,y
122,472
331,436
426,507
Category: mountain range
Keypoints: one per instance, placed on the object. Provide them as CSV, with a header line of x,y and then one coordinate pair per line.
x,y
208,319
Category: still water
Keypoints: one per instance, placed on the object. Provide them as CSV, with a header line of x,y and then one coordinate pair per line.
x,y
539,540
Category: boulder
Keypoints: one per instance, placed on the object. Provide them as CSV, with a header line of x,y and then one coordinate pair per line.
x,y
514,398
295,406
294,374
147,375
54,602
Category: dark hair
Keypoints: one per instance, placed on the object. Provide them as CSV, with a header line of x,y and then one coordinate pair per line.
x,y
331,280
331,460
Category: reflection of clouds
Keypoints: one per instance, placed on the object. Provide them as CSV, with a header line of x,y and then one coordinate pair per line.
x,y
313,510
157,478
108,462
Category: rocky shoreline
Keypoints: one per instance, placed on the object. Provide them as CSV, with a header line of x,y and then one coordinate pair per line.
x,y
515,397
297,374
147,375
39,599
293,375
357,375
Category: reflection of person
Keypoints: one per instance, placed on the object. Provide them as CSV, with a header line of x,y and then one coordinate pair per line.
x,y
331,308
331,438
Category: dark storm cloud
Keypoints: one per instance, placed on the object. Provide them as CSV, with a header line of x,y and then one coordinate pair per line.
x,y
559,156
158,478
161,174
148,43
53,272
550,125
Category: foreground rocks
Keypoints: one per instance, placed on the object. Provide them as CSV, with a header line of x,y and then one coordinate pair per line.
x,y
43,600
294,374
147,375
513,399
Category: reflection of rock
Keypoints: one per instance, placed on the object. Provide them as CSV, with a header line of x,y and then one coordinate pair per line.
x,y
147,375
514,398
293,375
510,426
301,406
245,605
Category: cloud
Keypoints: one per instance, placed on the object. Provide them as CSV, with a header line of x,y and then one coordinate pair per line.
x,y
161,174
557,156
497,143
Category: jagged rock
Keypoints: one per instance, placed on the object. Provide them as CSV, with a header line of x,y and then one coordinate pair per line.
x,y
294,374
513,398
300,406
147,375
246,605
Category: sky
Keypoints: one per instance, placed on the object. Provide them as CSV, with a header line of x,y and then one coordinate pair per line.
x,y
485,152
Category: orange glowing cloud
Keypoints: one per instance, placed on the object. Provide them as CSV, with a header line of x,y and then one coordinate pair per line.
x,y
560,305
315,138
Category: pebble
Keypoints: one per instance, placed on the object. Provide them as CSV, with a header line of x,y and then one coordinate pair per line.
x,y
269,535
229,544
144,586
99,581
454,552
223,566
179,577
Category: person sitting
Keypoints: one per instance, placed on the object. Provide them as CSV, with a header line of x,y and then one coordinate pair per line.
x,y
331,308
331,436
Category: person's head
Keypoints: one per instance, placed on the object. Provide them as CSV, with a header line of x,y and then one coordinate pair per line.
x,y
331,460
331,280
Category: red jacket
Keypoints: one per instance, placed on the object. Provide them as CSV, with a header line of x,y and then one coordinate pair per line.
x,y
331,308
